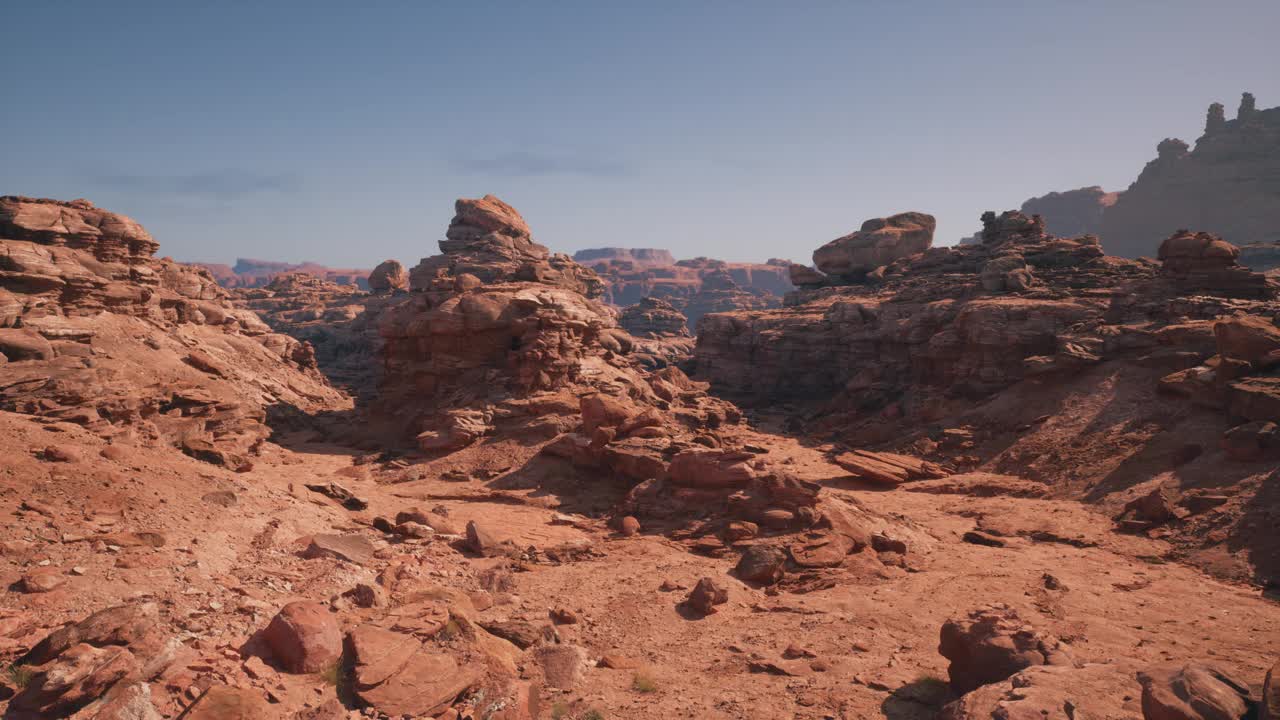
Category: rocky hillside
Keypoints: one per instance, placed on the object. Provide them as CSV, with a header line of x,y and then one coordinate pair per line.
x,y
1037,356
96,331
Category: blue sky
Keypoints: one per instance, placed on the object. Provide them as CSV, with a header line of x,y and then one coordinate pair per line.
x,y
342,132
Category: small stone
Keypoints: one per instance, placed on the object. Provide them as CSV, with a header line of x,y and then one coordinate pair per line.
x,y
977,537
564,616
706,595
42,580
628,526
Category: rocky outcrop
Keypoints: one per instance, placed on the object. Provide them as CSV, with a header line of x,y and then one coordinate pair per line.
x,y
1206,262
489,241
960,321
993,643
493,324
95,665
1261,257
879,242
1226,185
652,318
99,332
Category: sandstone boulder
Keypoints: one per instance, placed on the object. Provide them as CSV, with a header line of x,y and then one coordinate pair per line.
x,y
388,276
1192,692
878,242
1048,693
706,595
224,702
304,637
992,643
397,675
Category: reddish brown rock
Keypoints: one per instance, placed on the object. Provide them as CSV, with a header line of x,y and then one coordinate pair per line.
x,y
1048,693
1192,692
706,595
81,674
133,343
388,276
878,242
397,675
763,564
628,526
304,637
712,469
223,702
1252,339
991,644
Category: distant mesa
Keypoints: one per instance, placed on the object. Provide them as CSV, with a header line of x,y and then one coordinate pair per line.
x,y
639,256
251,273
692,287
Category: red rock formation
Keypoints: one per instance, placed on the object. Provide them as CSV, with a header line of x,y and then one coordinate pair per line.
x,y
100,333
877,243
989,330
1227,185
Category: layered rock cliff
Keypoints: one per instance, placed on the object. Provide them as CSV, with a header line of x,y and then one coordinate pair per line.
x,y
1228,184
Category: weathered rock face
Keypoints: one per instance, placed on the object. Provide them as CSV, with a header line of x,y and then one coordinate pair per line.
x,y
99,332
963,322
338,322
494,324
983,334
879,242
1071,213
77,225
1227,185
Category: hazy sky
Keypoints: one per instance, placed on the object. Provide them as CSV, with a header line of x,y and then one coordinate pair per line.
x,y
342,132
